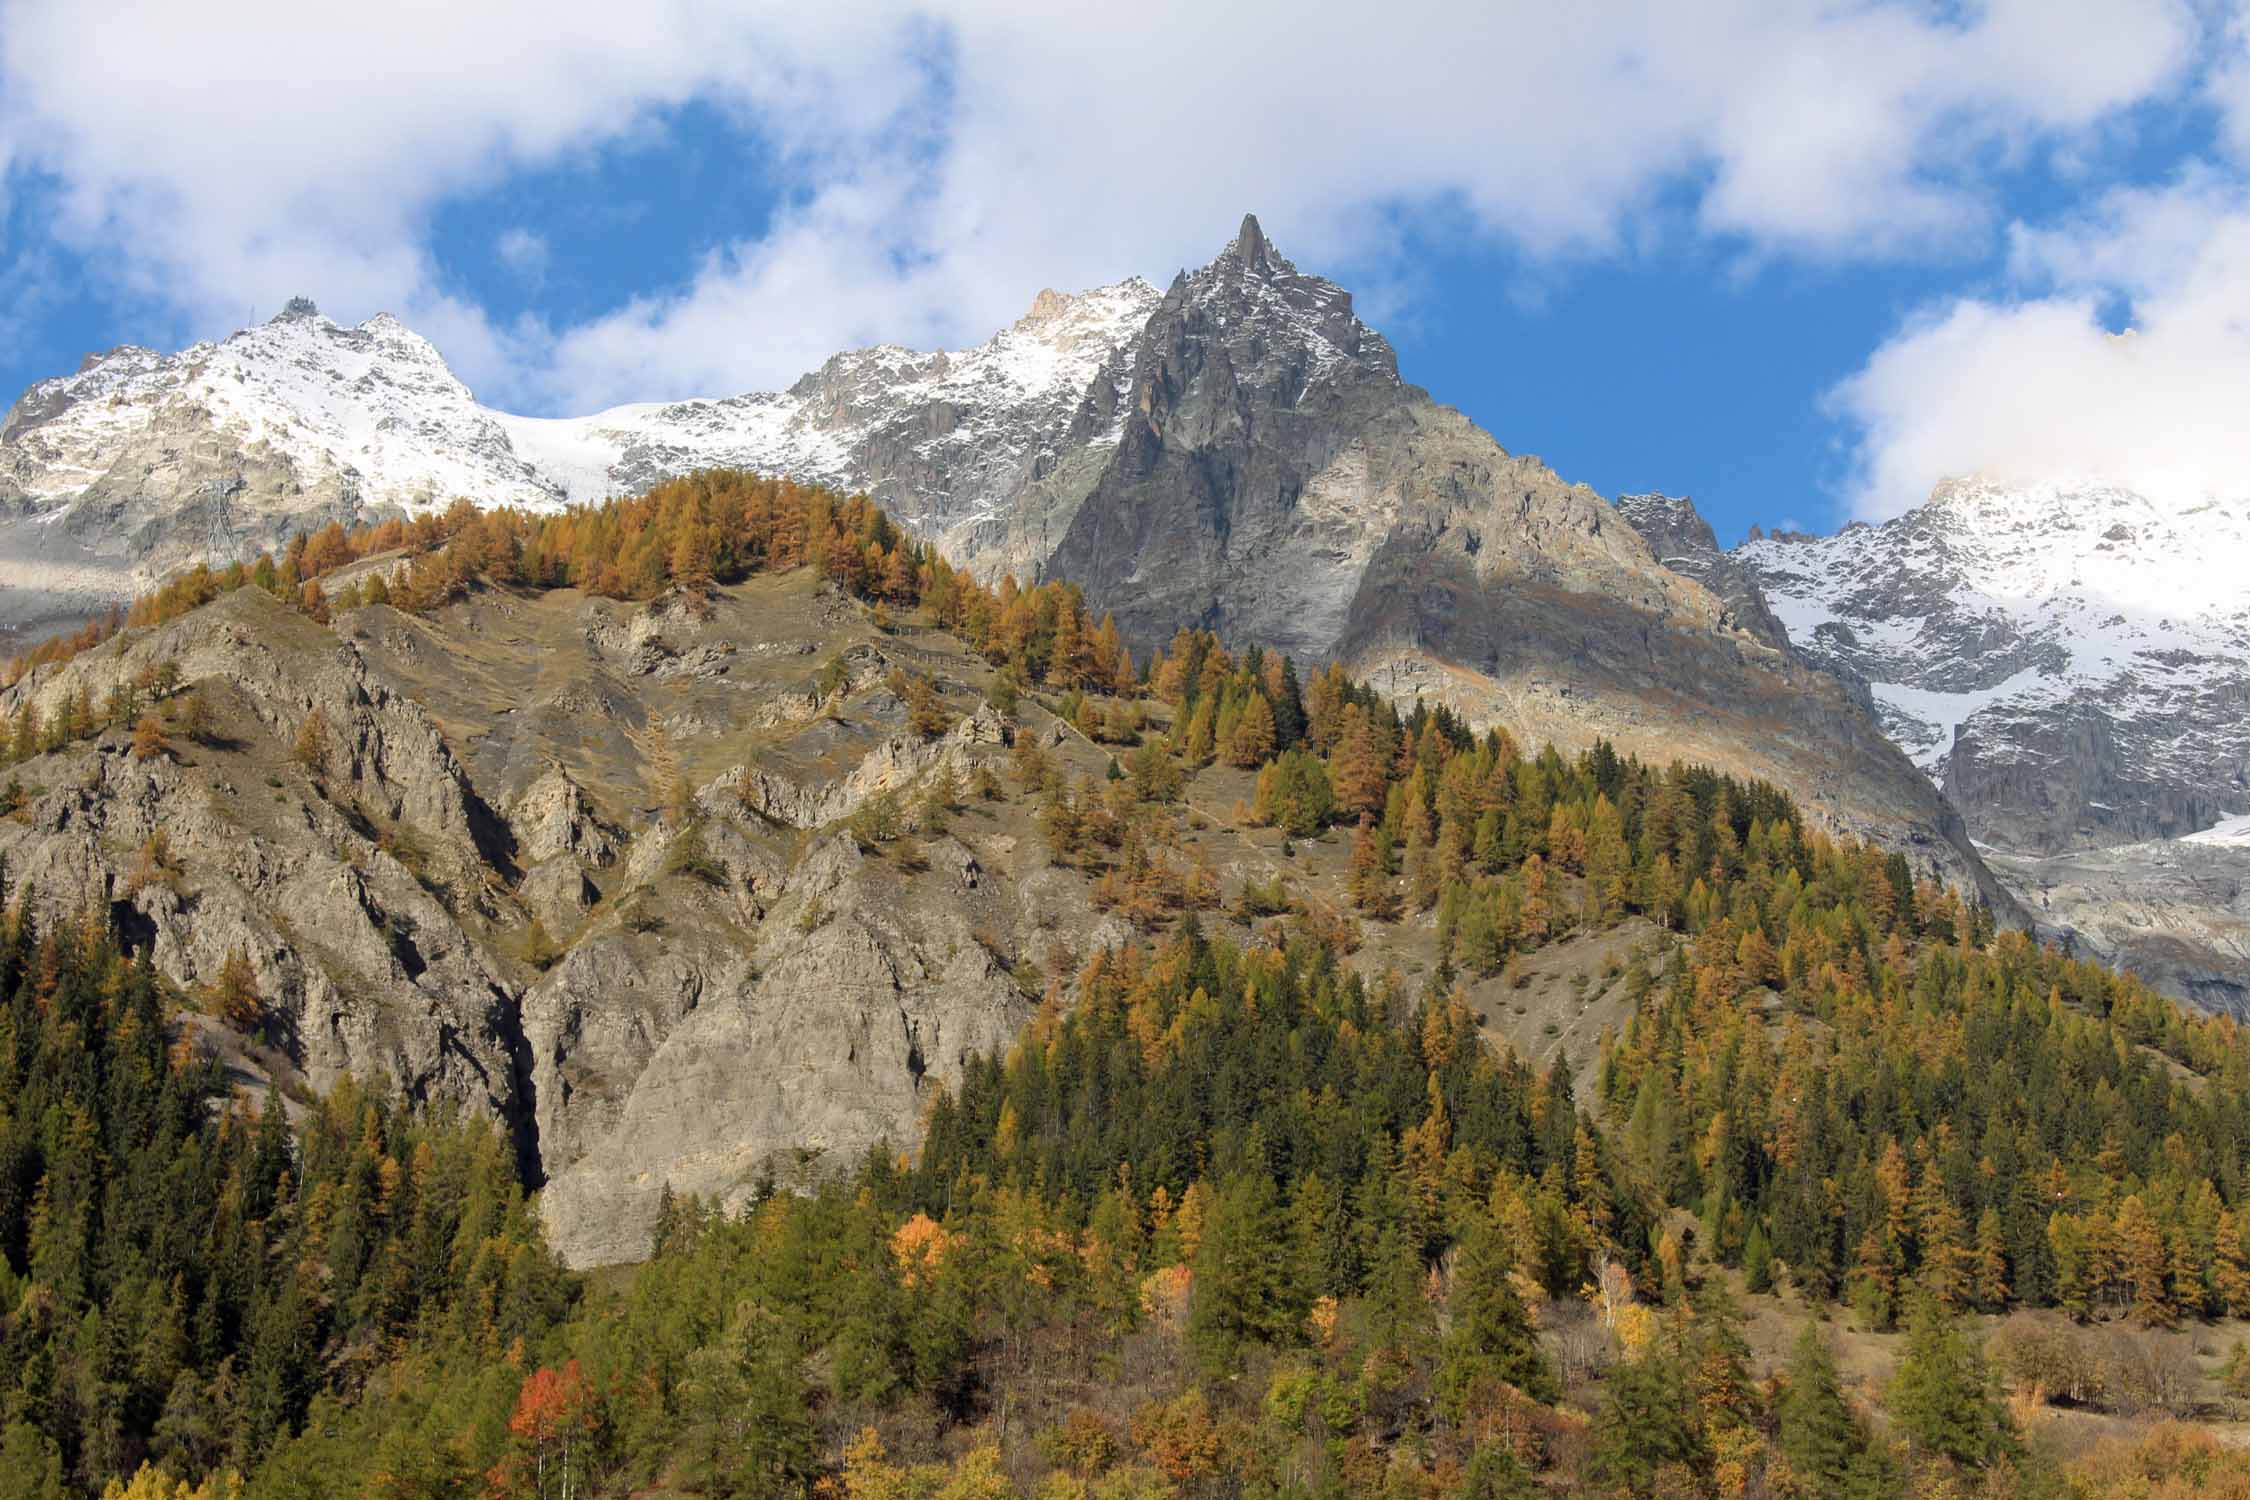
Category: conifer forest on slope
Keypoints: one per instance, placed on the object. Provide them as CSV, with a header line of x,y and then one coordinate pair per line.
x,y
1864,1198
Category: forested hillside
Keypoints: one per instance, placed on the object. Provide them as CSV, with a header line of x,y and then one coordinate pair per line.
x,y
1238,1212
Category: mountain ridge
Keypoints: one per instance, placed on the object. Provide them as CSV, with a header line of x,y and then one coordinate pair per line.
x,y
1239,452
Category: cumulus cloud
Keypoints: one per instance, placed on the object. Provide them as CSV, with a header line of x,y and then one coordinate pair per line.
x,y
955,156
230,156
2124,356
1076,151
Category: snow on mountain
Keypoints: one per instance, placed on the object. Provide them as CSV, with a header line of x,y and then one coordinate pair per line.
x,y
2070,660
981,415
140,461
2230,833
375,404
2070,663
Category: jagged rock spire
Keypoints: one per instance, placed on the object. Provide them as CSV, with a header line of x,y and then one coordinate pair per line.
x,y
1251,248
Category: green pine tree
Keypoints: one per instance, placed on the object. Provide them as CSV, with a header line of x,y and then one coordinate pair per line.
x,y
1244,1291
1943,1395
1646,1424
1757,1260
1818,1433
1491,1337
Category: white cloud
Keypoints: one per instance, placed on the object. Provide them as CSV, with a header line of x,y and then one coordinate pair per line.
x,y
223,157
956,157
2039,387
523,251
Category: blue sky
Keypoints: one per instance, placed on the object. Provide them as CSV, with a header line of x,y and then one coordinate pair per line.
x,y
1798,260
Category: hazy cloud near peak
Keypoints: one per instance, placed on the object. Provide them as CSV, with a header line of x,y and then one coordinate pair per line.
x,y
950,159
2045,385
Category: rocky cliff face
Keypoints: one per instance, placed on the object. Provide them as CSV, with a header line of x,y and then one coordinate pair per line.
x,y
476,881
1275,479
2174,911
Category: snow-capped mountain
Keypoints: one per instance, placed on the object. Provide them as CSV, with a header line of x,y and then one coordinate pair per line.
x,y
2071,662
140,461
371,408
944,439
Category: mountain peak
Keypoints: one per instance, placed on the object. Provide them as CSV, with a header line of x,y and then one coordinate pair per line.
x,y
1251,248
297,309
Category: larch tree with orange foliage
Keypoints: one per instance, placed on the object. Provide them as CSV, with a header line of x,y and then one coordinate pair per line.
x,y
553,1425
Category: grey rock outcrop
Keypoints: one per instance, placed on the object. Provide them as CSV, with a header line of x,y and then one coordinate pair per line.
x,y
1683,541
352,886
553,817
720,997
2174,911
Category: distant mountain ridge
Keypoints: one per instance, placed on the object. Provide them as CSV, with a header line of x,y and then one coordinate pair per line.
x,y
140,462
2070,663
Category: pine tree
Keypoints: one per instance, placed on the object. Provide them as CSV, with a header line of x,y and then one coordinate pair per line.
x,y
1757,1260
1646,1424
2234,1375
1947,1262
2190,1296
1943,1396
1288,708
1817,1432
2076,1282
2230,1269
1358,772
1494,1473
1491,1338
1989,1263
1243,1290
235,999
196,725
312,742
1252,739
1400,1321
1371,885
1200,741
926,714
690,562
1419,865
30,1466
